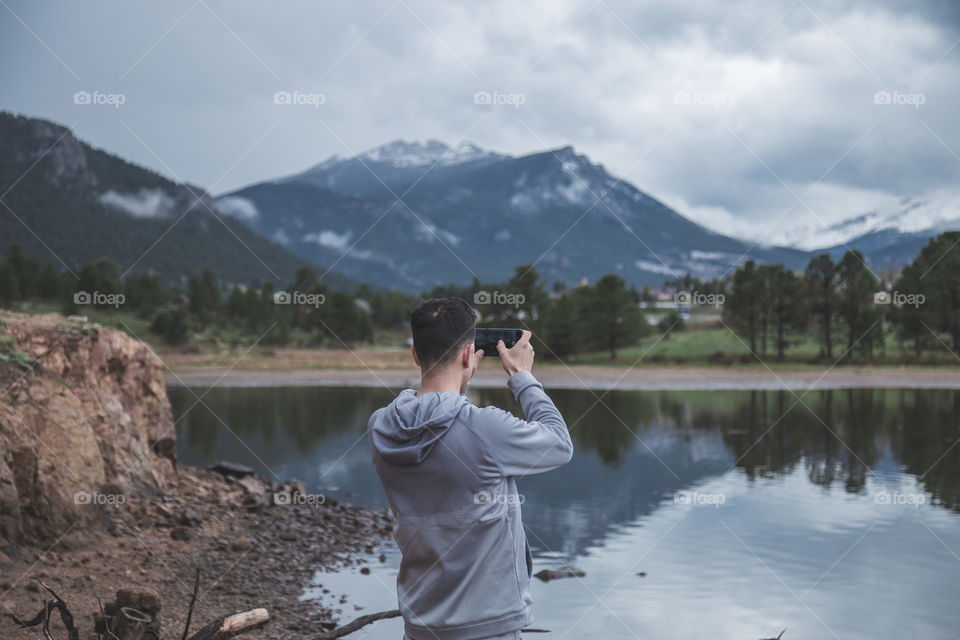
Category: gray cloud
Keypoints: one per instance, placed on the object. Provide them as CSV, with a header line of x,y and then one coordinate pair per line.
x,y
726,110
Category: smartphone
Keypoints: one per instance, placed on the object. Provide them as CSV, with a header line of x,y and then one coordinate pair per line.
x,y
487,339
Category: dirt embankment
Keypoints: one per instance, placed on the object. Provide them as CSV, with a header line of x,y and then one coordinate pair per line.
x,y
84,410
92,498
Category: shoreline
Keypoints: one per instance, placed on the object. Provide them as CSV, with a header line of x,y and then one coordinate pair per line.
x,y
598,378
252,551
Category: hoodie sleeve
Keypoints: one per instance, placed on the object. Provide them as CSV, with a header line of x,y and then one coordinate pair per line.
x,y
539,443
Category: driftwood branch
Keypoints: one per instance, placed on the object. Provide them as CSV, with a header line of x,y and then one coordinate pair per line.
x,y
46,622
233,625
362,621
193,601
44,615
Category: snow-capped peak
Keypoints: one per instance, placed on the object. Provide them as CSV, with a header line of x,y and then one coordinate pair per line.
x,y
909,215
401,153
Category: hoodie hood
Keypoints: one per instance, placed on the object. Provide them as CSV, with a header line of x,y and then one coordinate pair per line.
x,y
405,431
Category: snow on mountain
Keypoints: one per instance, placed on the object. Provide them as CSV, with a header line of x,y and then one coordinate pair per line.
x,y
928,216
403,154
414,215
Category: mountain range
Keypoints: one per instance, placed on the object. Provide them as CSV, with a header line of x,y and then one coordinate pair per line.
x,y
68,203
412,215
891,235
405,215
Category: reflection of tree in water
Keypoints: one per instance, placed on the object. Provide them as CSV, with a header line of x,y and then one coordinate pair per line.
x,y
307,416
594,426
611,427
836,434
925,434
193,421
839,435
843,427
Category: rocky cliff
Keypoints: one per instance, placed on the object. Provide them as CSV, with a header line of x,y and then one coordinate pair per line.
x,y
84,420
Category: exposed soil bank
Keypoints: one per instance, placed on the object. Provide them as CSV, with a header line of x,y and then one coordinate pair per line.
x,y
252,552
93,499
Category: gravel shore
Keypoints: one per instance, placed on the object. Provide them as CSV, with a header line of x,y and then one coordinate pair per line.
x,y
252,551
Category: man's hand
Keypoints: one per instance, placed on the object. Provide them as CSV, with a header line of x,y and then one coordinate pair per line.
x,y
517,358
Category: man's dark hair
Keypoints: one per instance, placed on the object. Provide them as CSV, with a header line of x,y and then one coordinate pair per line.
x,y
440,327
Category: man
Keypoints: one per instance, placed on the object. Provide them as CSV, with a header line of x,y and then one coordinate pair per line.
x,y
448,467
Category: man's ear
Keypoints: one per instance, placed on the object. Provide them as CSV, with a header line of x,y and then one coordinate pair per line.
x,y
466,355
413,352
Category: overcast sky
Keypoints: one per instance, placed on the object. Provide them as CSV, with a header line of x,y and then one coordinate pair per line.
x,y
750,117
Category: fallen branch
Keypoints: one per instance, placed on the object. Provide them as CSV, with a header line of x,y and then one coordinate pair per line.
x,y
44,615
362,621
193,601
233,625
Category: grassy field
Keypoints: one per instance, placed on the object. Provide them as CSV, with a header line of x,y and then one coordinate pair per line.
x,y
707,343
717,345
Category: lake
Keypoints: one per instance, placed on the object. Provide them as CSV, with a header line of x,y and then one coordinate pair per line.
x,y
695,514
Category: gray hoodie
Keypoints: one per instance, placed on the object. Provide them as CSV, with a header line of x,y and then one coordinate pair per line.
x,y
448,467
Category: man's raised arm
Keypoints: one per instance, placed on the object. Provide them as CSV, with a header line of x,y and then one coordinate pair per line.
x,y
540,441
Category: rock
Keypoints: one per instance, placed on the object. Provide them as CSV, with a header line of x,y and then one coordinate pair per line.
x,y
180,533
555,574
127,598
242,544
365,571
231,469
93,415
255,490
149,601
190,517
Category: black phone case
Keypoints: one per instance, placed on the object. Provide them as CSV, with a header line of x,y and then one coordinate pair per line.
x,y
486,339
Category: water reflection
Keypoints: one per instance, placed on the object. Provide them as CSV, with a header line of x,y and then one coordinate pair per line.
x,y
634,449
810,535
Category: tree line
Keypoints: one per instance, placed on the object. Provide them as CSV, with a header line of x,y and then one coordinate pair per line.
x,y
587,318
843,306
849,309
